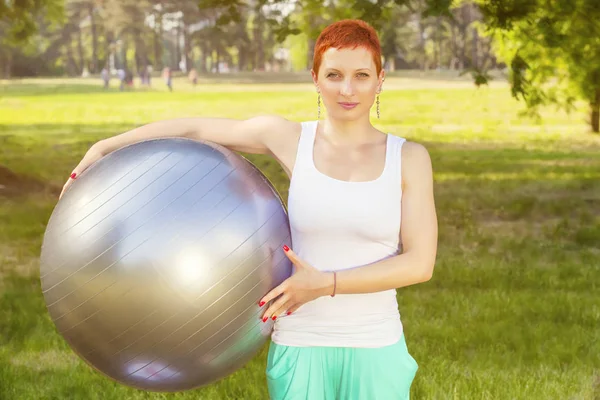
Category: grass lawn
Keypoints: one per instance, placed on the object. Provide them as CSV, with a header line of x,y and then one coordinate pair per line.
x,y
513,309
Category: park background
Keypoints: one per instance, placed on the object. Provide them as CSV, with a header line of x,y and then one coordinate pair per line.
x,y
504,95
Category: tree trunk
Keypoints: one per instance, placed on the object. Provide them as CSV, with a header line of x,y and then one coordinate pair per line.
x,y
8,64
94,67
187,49
259,28
438,43
71,64
241,58
158,42
464,61
465,22
595,112
178,45
80,52
203,57
242,45
453,47
141,60
124,48
423,55
108,50
475,48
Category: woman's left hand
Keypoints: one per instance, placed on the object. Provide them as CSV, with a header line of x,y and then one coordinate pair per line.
x,y
306,284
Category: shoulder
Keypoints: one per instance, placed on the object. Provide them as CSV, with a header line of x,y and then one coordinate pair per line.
x,y
281,131
416,163
275,131
281,137
415,153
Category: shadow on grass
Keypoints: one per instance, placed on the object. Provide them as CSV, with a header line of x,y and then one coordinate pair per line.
x,y
58,88
58,132
473,159
22,88
15,185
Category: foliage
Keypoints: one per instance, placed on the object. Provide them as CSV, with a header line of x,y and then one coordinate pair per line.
x,y
553,48
416,33
18,18
372,11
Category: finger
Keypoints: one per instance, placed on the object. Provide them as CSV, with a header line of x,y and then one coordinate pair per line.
x,y
271,309
284,309
64,188
280,302
273,294
68,183
293,257
294,308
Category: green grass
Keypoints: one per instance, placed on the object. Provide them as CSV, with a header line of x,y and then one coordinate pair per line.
x,y
513,309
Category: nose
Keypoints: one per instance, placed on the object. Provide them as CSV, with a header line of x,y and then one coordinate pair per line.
x,y
346,89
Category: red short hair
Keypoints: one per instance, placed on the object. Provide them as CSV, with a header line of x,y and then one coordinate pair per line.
x,y
348,33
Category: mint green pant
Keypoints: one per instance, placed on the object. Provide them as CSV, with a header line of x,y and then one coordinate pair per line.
x,y
340,373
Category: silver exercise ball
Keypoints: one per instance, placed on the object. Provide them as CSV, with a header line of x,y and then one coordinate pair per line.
x,y
154,260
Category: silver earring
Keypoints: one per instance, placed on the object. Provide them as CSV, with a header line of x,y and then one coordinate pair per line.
x,y
377,106
319,106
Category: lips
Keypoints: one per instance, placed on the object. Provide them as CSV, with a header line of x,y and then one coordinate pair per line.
x,y
347,105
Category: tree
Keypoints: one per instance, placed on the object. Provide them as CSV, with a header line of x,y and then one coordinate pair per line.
x,y
18,23
18,18
553,49
85,12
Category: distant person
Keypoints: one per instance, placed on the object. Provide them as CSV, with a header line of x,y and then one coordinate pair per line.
x,y
105,75
149,71
193,76
121,76
145,75
168,77
129,78
142,74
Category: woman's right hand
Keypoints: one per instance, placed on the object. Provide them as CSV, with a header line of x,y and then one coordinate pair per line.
x,y
93,154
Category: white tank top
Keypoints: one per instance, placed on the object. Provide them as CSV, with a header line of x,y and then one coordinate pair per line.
x,y
337,225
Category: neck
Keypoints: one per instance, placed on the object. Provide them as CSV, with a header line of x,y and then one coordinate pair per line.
x,y
349,132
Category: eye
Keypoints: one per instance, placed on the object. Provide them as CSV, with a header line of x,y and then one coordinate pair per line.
x,y
331,74
363,74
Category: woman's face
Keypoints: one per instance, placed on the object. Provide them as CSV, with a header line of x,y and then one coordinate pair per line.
x,y
348,82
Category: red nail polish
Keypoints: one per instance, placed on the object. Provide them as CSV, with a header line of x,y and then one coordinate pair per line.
x,y
274,317
289,312
73,175
265,319
262,303
285,248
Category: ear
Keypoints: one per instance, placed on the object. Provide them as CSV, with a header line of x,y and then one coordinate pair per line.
x,y
381,79
314,78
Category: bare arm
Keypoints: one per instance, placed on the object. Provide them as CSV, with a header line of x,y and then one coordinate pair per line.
x,y
257,135
419,231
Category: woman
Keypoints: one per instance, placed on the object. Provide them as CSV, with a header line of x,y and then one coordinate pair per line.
x,y
357,196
